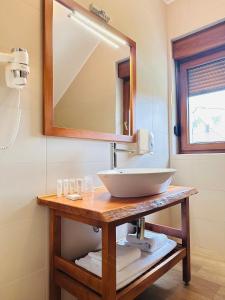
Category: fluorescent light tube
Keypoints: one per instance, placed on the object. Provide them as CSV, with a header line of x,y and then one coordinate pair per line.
x,y
100,28
89,28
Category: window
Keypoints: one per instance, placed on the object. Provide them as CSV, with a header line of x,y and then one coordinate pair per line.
x,y
201,91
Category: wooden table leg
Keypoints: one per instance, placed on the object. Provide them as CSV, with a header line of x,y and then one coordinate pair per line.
x,y
54,249
109,261
186,240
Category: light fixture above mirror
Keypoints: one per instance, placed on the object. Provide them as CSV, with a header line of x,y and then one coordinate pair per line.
x,y
106,35
89,75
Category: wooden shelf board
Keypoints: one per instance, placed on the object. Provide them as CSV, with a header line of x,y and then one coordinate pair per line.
x,y
74,287
78,273
101,206
84,280
145,280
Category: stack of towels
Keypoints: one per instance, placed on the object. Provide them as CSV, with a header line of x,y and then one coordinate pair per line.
x,y
152,241
133,256
124,256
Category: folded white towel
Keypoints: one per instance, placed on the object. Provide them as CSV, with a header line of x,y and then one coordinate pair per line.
x,y
152,241
124,256
132,271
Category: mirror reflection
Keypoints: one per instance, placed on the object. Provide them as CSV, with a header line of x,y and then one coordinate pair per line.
x,y
91,76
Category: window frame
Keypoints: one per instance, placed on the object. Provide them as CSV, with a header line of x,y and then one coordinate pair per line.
x,y
124,74
182,67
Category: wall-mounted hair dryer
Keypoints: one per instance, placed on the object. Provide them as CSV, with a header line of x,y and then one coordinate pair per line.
x,y
16,73
17,68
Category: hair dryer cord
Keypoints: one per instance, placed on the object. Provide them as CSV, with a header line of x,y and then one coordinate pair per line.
x,y
17,126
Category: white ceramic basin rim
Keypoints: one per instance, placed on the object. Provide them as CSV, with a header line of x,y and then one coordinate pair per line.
x,y
136,182
140,171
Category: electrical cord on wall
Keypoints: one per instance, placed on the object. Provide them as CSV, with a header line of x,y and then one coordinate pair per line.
x,y
17,125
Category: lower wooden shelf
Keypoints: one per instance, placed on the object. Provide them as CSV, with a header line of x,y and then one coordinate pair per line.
x,y
145,280
86,285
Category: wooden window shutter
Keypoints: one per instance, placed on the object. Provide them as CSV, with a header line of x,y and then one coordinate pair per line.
x,y
207,78
199,42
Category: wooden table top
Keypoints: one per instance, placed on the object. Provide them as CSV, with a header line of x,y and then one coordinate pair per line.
x,y
101,206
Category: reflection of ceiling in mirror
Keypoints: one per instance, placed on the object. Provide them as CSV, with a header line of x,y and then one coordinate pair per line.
x,y
69,56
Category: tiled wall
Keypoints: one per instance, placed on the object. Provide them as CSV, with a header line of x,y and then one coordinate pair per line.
x,y
204,171
33,164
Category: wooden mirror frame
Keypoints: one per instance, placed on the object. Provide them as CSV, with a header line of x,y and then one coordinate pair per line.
x,y
49,128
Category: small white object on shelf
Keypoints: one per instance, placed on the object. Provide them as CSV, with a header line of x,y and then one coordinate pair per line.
x,y
74,197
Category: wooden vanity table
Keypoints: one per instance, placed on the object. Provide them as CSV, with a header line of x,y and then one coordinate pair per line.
x,y
106,212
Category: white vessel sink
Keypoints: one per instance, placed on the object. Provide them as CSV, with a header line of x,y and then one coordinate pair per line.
x,y
136,182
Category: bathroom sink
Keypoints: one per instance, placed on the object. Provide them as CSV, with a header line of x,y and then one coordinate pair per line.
x,y
136,182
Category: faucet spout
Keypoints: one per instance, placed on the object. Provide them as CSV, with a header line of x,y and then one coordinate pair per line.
x,y
114,151
113,156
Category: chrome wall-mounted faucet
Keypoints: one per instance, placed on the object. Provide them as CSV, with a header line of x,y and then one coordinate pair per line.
x,y
138,228
114,151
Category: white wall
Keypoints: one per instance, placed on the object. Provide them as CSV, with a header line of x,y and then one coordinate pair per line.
x,y
204,171
33,164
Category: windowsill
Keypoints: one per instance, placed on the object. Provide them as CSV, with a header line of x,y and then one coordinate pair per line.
x,y
198,156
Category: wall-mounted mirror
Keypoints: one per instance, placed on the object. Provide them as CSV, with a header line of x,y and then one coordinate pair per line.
x,y
89,75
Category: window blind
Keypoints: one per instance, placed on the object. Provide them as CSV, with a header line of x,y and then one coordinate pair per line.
x,y
207,78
